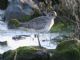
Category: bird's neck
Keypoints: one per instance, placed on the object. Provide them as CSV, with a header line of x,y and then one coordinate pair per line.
x,y
51,17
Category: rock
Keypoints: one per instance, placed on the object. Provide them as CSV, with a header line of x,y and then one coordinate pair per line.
x,y
31,3
67,50
15,10
42,55
27,53
13,24
0,57
32,54
9,55
3,43
20,37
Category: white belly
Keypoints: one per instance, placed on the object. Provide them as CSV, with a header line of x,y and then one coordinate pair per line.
x,y
48,27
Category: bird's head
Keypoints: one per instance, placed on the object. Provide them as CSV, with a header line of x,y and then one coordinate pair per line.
x,y
52,14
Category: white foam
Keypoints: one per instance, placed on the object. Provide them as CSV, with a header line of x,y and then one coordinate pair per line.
x,y
28,41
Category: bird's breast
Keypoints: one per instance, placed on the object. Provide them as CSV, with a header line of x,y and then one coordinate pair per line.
x,y
50,24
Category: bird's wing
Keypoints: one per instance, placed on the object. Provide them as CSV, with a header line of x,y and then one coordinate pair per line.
x,y
38,23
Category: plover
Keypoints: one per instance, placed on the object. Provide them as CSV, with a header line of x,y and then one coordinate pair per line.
x,y
41,24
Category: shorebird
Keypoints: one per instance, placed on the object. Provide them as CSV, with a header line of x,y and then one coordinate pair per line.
x,y
40,24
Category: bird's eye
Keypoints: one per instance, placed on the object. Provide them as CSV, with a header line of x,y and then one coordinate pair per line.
x,y
52,14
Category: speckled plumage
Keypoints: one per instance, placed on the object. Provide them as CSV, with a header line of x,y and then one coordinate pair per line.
x,y
40,24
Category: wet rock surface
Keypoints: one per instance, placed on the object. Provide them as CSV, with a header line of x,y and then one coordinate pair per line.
x,y
17,10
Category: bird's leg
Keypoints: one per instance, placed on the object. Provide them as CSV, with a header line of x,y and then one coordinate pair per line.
x,y
38,40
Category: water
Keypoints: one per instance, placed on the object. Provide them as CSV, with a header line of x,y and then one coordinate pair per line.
x,y
7,34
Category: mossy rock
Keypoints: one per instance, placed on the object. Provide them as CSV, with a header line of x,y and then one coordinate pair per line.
x,y
31,53
13,24
67,50
0,56
27,18
70,54
62,27
27,53
58,27
67,44
9,55
3,4
23,53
